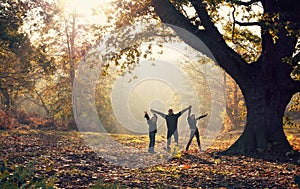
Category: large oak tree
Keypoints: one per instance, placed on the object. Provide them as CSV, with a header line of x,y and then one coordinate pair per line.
x,y
264,65
266,82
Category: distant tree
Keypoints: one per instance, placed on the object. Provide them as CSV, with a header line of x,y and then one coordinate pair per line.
x,y
235,112
68,37
22,63
292,115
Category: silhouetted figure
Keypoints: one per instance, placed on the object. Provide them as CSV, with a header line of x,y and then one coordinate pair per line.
x,y
172,121
152,131
192,121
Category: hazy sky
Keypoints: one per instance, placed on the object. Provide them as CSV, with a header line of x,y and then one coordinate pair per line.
x,y
160,87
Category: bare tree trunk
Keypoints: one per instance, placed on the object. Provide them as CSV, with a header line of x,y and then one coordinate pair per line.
x,y
236,109
72,49
71,46
7,98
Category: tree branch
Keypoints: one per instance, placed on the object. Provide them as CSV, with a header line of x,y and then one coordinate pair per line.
x,y
182,25
243,3
240,24
199,6
248,23
209,41
233,25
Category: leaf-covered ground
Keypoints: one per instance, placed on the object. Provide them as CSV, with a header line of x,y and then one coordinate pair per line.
x,y
62,159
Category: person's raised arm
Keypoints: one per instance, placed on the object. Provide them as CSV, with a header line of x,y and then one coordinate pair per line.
x,y
202,116
184,110
190,109
159,113
146,115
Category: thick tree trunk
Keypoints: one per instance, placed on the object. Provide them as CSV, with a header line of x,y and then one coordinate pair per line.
x,y
264,129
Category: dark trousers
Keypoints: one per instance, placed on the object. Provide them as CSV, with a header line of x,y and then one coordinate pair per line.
x,y
152,141
169,135
194,133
